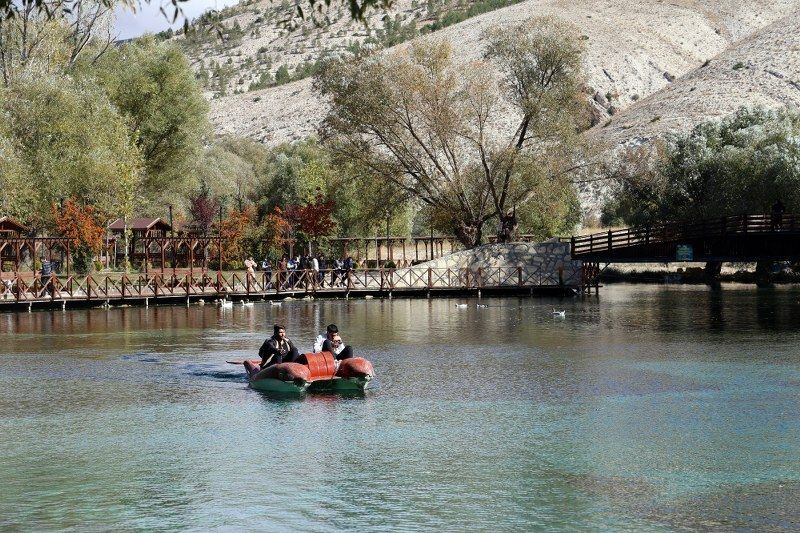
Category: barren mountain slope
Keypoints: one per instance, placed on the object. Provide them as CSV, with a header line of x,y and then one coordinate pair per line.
x,y
763,69
634,48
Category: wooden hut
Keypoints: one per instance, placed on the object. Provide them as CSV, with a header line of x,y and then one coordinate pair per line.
x,y
10,228
145,232
11,251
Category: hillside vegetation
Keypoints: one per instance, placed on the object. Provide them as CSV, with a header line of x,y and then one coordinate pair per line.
x,y
262,43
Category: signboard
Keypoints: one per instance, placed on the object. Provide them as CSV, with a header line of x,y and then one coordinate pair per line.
x,y
684,252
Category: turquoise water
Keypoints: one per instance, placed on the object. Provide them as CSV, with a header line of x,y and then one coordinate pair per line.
x,y
650,408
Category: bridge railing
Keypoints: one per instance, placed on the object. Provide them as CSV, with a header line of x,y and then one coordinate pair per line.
x,y
675,231
119,286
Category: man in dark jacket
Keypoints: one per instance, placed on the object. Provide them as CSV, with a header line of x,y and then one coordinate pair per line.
x,y
277,349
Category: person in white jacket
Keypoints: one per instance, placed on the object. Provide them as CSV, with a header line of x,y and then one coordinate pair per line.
x,y
330,341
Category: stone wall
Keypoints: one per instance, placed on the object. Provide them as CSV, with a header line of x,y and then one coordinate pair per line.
x,y
541,260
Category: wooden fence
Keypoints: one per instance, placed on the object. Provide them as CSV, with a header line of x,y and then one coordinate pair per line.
x,y
239,285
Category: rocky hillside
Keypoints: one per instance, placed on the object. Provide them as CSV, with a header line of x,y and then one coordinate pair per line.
x,y
763,69
635,49
264,43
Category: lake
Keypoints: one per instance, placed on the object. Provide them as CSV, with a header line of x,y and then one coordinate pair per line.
x,y
648,408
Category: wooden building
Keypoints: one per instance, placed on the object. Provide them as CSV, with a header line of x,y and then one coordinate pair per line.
x,y
142,233
11,249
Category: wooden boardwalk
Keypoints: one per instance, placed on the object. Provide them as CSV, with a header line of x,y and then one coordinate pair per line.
x,y
19,291
740,238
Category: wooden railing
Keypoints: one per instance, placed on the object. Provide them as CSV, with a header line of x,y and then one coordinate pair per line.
x,y
20,289
683,231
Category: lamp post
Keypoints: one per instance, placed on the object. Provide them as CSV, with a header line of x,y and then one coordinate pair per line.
x,y
219,241
388,244
431,224
172,238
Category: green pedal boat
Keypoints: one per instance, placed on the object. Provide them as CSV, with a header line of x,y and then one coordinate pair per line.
x,y
312,372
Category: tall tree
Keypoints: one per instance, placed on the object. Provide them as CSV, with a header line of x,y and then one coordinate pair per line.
x,y
70,142
152,85
36,43
741,164
439,132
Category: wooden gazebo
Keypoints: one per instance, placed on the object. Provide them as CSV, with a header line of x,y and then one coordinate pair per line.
x,y
10,228
143,230
10,246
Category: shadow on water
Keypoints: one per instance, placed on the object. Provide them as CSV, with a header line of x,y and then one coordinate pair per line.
x,y
213,372
141,357
322,397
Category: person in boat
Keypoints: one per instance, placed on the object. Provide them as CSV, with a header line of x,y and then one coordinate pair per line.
x,y
330,341
278,348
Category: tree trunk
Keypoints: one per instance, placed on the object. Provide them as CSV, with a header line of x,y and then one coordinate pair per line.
x,y
764,273
507,229
469,233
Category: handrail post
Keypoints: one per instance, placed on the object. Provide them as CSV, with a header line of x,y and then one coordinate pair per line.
x,y
519,276
609,240
430,278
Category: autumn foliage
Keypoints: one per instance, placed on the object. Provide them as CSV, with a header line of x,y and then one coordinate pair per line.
x,y
234,232
313,219
203,208
79,225
278,229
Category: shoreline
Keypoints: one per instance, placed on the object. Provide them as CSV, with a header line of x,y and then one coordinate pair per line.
x,y
694,275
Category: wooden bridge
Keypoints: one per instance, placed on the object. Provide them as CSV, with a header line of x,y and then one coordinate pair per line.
x,y
741,238
184,287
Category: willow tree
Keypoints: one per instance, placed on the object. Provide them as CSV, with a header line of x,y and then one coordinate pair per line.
x,y
65,139
473,145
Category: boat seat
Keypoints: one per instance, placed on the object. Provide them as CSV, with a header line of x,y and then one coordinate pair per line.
x,y
321,365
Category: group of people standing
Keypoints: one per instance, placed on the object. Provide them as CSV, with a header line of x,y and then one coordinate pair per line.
x,y
319,269
280,349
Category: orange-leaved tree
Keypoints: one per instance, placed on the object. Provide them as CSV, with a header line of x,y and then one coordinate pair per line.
x,y
234,232
80,225
313,220
275,233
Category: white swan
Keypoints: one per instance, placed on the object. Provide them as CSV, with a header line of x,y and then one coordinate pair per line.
x,y
559,314
461,306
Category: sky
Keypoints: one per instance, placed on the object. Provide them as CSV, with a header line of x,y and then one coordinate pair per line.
x,y
148,18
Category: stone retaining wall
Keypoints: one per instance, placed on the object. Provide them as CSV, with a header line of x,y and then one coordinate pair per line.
x,y
543,259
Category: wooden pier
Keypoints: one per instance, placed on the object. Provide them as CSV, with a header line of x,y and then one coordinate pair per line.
x,y
20,292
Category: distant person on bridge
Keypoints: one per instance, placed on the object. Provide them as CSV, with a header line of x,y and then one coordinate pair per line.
x,y
250,265
777,215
